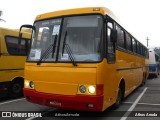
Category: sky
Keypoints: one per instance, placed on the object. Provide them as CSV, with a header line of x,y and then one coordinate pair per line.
x,y
139,17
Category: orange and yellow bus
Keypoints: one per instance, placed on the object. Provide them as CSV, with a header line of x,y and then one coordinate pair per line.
x,y
12,59
82,59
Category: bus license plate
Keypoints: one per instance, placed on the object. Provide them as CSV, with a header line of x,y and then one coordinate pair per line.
x,y
56,103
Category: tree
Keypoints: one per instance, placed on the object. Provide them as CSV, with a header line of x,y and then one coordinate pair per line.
x,y
1,12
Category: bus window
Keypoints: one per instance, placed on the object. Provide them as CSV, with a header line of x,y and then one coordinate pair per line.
x,y
134,45
138,48
128,42
14,48
120,36
111,45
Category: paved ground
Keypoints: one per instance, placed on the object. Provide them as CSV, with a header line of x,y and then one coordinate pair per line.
x,y
142,104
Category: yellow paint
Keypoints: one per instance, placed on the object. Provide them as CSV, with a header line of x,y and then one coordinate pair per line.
x,y
7,61
65,79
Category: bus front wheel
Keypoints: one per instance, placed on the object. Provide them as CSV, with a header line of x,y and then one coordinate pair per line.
x,y
15,89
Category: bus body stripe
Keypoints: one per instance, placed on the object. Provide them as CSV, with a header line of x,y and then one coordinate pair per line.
x,y
76,102
119,69
11,69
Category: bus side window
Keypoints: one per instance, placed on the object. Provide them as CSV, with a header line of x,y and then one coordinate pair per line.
x,y
121,37
137,48
14,48
134,45
111,45
128,42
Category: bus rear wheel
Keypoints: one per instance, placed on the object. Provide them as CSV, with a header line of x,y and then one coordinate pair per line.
x,y
15,89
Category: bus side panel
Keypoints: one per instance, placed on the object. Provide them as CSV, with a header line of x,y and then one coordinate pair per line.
x,y
131,69
11,67
128,67
107,75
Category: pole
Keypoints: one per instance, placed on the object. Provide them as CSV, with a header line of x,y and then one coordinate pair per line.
x,y
147,41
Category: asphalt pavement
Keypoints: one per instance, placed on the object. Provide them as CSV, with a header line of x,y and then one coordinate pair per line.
x,y
142,104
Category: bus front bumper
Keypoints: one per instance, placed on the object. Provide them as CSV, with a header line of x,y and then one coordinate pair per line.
x,y
72,102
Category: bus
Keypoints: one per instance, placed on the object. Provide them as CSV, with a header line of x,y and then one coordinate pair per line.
x,y
154,65
12,59
82,59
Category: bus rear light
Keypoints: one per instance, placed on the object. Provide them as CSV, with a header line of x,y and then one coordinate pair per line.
x,y
99,89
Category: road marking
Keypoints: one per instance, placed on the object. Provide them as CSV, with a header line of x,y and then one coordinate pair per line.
x,y
141,103
133,105
11,101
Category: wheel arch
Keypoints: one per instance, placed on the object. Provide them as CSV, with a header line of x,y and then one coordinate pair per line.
x,y
19,79
122,85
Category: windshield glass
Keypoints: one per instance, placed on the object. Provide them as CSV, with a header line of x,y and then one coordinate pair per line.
x,y
43,38
81,34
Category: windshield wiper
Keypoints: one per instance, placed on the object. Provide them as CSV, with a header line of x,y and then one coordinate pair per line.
x,y
47,51
68,50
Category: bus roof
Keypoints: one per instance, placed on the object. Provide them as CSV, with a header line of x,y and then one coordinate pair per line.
x,y
14,32
78,11
88,10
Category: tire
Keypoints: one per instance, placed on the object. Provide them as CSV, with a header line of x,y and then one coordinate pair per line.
x,y
144,80
15,89
118,99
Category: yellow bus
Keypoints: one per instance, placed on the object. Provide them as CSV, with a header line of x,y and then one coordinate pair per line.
x,y
12,58
82,59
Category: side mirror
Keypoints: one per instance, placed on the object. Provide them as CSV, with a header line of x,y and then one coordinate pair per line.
x,y
20,34
113,36
26,26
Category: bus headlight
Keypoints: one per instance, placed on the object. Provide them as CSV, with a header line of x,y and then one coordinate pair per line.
x,y
82,89
91,89
31,84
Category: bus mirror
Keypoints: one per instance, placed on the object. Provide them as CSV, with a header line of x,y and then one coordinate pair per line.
x,y
114,36
20,36
26,26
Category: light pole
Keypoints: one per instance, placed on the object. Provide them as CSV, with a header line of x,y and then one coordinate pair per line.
x,y
147,41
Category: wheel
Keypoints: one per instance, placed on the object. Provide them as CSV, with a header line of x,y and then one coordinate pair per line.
x,y
15,89
118,99
144,80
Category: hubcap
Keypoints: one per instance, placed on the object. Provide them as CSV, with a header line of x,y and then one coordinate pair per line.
x,y
16,88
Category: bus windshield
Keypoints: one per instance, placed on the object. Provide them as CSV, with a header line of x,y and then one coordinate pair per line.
x,y
82,35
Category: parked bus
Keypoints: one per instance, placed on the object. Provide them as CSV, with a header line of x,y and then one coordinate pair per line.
x,y
82,59
154,65
12,58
